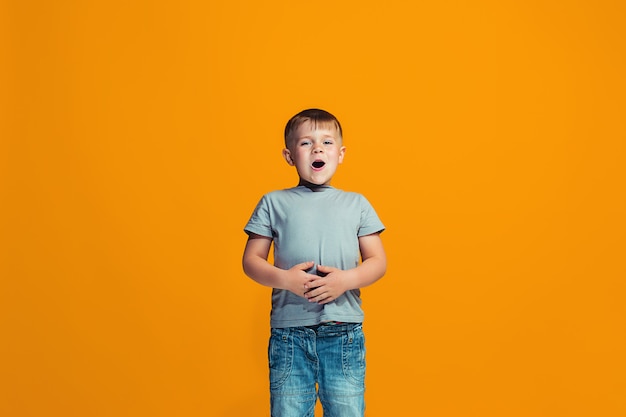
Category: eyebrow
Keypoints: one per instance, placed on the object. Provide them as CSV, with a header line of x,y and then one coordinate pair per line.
x,y
311,137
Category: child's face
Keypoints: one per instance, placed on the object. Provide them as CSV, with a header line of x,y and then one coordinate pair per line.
x,y
315,152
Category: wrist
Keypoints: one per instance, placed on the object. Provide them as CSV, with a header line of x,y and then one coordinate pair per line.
x,y
282,279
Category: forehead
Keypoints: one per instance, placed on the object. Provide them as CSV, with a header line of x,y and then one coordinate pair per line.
x,y
307,127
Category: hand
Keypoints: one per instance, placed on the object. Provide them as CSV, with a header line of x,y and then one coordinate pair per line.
x,y
297,278
323,290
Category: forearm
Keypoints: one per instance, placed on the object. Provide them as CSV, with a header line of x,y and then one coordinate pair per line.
x,y
263,272
367,273
374,264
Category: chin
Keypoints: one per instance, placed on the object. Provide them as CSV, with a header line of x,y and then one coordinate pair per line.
x,y
313,182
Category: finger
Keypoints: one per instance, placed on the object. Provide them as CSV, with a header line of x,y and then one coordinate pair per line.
x,y
315,298
323,299
304,265
308,293
326,269
314,292
314,282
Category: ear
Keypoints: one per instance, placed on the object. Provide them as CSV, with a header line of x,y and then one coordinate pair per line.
x,y
287,156
342,152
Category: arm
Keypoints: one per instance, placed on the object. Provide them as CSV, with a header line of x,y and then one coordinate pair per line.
x,y
255,266
373,266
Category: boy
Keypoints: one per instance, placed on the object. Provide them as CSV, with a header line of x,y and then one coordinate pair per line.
x,y
316,346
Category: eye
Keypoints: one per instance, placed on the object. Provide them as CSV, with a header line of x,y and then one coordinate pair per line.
x,y
305,143
328,142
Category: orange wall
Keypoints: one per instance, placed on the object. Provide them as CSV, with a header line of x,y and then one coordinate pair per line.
x,y
138,136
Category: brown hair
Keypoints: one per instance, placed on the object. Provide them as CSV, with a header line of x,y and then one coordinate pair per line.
x,y
315,116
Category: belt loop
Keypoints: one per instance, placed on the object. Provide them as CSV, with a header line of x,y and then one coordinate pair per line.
x,y
350,332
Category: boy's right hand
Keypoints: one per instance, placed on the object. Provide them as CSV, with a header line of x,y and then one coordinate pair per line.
x,y
297,278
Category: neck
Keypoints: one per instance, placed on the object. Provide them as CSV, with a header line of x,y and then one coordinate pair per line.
x,y
311,186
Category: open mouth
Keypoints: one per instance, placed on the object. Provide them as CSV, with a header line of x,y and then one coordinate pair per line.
x,y
318,164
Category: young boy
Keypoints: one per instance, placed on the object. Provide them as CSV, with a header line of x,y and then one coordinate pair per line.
x,y
319,233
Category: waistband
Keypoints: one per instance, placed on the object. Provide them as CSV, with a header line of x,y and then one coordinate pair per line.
x,y
326,323
331,328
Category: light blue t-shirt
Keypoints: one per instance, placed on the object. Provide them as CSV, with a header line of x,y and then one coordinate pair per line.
x,y
321,225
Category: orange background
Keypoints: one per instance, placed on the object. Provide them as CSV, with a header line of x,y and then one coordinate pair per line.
x,y
138,136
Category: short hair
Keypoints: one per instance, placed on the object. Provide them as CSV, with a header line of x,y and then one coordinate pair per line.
x,y
316,117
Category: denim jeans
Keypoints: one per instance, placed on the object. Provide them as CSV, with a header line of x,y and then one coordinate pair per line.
x,y
326,361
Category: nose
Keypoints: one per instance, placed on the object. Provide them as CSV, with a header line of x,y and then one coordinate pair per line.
x,y
318,148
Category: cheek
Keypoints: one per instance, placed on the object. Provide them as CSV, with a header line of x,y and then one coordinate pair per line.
x,y
301,162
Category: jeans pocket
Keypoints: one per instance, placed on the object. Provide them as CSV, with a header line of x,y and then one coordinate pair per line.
x,y
354,356
280,357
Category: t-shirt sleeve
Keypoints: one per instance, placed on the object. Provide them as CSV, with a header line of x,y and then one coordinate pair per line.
x,y
370,222
260,222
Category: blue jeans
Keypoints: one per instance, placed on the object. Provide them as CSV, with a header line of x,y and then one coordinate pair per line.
x,y
326,361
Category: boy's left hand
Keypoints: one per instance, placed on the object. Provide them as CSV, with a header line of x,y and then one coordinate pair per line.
x,y
323,290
